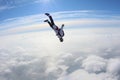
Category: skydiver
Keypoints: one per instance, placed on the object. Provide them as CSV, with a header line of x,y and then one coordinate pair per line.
x,y
59,31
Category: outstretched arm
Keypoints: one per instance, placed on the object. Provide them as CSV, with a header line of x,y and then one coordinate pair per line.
x,y
62,26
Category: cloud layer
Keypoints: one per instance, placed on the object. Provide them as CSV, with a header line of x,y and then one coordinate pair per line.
x,y
90,50
88,54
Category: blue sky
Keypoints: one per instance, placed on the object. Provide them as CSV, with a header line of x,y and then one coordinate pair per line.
x,y
28,15
15,8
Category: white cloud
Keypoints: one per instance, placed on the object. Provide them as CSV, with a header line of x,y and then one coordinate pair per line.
x,y
114,66
94,64
80,74
110,71
84,75
40,55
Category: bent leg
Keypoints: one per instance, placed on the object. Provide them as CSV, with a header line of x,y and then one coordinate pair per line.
x,y
50,24
51,19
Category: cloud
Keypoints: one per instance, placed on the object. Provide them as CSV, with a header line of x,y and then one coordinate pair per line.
x,y
69,18
20,65
84,75
9,4
94,67
86,53
80,74
21,21
114,66
6,4
4,8
94,64
32,57
43,1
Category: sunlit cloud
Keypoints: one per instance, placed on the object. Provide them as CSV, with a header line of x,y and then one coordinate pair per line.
x,y
32,57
